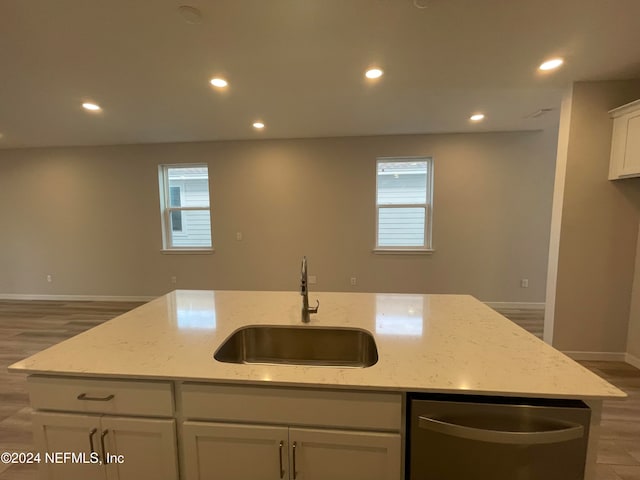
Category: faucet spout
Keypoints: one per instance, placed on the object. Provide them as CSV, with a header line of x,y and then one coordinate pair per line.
x,y
304,291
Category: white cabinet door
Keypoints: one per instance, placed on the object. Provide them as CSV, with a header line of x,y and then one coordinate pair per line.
x,y
216,451
58,433
145,448
341,455
625,142
631,162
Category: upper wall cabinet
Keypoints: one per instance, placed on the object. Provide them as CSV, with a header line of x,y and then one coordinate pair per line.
x,y
625,142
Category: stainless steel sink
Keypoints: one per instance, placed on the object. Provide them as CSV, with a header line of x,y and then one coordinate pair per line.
x,y
304,345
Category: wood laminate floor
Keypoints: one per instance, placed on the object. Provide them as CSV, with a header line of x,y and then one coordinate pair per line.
x,y
531,319
27,327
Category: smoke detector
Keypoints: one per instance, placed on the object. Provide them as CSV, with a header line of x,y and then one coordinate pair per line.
x,y
421,4
190,14
539,113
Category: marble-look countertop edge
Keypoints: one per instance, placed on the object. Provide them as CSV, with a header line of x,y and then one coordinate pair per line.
x,y
308,385
451,344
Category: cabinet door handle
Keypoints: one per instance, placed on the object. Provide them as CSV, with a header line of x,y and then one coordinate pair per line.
x,y
91,434
84,396
280,451
294,461
104,451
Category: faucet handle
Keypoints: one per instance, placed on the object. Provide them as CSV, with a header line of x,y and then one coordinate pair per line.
x,y
315,309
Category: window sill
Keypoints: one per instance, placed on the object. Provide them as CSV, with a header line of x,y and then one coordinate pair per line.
x,y
187,251
403,251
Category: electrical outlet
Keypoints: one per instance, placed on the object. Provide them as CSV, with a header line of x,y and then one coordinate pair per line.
x,y
49,278
312,279
238,236
524,283
174,279
354,281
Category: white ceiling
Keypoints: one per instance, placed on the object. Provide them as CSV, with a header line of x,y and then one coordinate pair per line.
x,y
298,65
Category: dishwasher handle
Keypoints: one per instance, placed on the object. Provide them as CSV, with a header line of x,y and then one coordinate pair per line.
x,y
572,432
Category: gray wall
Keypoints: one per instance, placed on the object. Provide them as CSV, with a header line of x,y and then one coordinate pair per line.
x,y
599,228
633,338
90,217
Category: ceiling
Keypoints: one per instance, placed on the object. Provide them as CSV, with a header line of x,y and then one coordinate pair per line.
x,y
298,65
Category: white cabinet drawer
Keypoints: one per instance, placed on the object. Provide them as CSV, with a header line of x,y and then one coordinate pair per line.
x,y
122,397
292,406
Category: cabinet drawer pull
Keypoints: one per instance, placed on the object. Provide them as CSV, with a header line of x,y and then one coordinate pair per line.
x,y
84,396
104,451
294,461
280,451
91,434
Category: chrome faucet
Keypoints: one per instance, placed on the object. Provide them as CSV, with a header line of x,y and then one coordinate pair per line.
x,y
304,291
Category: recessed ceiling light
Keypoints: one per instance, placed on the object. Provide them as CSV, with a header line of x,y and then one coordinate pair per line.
x,y
219,82
258,125
476,117
551,64
373,73
91,106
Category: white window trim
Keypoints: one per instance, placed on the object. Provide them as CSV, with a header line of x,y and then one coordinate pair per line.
x,y
403,251
167,248
427,249
187,251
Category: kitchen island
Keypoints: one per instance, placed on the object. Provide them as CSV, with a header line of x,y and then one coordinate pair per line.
x,y
146,383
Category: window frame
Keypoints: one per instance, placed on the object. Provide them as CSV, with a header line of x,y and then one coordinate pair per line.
x,y
166,210
427,246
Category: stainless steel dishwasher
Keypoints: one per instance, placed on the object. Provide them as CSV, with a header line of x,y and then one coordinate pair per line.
x,y
460,437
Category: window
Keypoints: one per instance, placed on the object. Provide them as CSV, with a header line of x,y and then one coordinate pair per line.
x,y
176,215
404,203
184,200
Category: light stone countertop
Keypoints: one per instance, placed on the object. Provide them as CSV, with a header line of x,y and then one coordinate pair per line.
x,y
426,343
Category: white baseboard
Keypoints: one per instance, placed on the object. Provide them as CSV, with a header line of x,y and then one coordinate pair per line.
x,y
632,360
85,298
597,356
518,305
606,357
